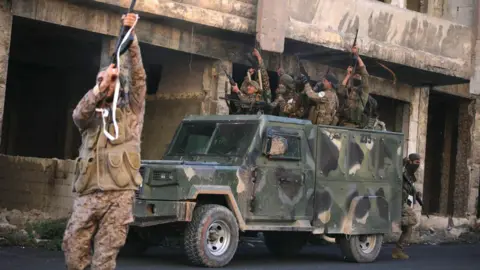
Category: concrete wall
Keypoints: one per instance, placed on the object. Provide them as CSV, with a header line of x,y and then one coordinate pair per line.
x,y
35,183
5,33
386,32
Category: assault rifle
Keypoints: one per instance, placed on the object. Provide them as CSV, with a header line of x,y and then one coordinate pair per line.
x,y
244,107
406,178
230,78
123,31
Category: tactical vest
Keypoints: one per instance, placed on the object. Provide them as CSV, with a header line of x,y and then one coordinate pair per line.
x,y
322,113
108,165
353,109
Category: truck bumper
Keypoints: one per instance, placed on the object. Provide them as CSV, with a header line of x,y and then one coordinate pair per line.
x,y
150,213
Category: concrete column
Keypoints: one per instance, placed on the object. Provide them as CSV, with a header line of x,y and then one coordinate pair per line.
x,y
271,25
5,37
466,184
223,87
424,93
435,8
399,3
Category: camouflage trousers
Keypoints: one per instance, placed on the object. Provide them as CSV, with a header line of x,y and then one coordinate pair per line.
x,y
409,219
101,218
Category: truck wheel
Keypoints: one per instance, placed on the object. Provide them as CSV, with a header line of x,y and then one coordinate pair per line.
x,y
285,244
361,248
211,238
134,245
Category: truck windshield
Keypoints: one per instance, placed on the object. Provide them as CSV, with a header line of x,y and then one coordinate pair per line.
x,y
211,138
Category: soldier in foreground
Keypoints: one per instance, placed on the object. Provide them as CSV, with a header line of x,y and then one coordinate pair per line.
x,y
356,97
409,195
106,174
326,101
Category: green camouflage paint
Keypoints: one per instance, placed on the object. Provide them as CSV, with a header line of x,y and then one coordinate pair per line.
x,y
336,180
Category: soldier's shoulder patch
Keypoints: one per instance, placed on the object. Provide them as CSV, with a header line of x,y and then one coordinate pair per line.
x,y
321,94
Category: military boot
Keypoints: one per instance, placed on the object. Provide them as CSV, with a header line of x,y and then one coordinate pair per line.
x,y
399,254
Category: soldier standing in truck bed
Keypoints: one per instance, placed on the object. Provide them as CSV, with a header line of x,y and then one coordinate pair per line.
x,y
287,100
326,101
263,85
354,98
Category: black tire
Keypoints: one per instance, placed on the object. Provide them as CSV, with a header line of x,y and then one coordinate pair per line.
x,y
134,245
361,248
285,244
225,230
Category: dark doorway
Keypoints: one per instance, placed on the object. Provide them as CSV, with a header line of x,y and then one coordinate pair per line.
x,y
441,152
50,68
391,111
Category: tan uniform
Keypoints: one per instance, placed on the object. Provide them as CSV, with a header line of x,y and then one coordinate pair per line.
x,y
325,108
265,84
106,174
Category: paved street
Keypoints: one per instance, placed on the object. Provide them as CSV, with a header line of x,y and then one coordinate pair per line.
x,y
448,257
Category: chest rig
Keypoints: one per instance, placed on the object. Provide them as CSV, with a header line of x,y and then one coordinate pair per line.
x,y
104,164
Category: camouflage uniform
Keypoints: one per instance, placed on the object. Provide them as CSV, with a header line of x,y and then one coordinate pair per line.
x,y
409,218
325,108
287,99
244,96
106,174
354,101
265,83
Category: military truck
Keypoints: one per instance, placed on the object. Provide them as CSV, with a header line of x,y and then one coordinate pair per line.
x,y
223,177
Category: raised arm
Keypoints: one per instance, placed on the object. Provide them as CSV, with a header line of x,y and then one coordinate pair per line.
x,y
137,72
265,77
139,77
85,109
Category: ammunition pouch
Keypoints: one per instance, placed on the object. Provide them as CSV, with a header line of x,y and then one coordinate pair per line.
x,y
123,167
85,170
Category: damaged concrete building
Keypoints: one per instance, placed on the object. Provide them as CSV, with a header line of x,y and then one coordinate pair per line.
x,y
51,50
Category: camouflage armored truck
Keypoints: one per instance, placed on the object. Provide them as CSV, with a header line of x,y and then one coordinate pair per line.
x,y
223,177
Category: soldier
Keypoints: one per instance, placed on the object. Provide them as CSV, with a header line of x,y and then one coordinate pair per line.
x,y
106,172
249,91
355,98
409,218
326,101
263,84
287,100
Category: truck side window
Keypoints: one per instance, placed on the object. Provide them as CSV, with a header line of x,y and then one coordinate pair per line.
x,y
281,146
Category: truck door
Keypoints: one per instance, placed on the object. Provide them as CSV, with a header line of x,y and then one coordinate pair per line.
x,y
280,190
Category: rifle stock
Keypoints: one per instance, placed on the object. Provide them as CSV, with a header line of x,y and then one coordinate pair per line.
x,y
417,198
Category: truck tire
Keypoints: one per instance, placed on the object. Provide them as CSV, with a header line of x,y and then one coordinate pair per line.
x,y
211,238
134,245
285,244
361,248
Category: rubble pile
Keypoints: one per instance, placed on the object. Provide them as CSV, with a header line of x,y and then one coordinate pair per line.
x,y
30,228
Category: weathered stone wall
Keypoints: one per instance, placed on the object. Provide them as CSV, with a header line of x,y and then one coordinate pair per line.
x,y
5,34
385,31
35,183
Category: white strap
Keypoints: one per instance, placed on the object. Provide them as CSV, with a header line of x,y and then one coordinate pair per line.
x,y
116,93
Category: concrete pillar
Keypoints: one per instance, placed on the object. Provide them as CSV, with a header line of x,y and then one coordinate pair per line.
x,y
399,3
223,87
435,8
424,93
466,186
5,36
271,25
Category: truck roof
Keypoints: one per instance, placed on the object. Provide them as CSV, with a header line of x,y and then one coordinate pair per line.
x,y
247,117
272,118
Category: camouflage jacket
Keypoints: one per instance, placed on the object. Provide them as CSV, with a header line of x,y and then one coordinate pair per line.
x,y
325,108
407,188
355,99
265,84
104,164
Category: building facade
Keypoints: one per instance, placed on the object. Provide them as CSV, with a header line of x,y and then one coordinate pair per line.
x,y
421,55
